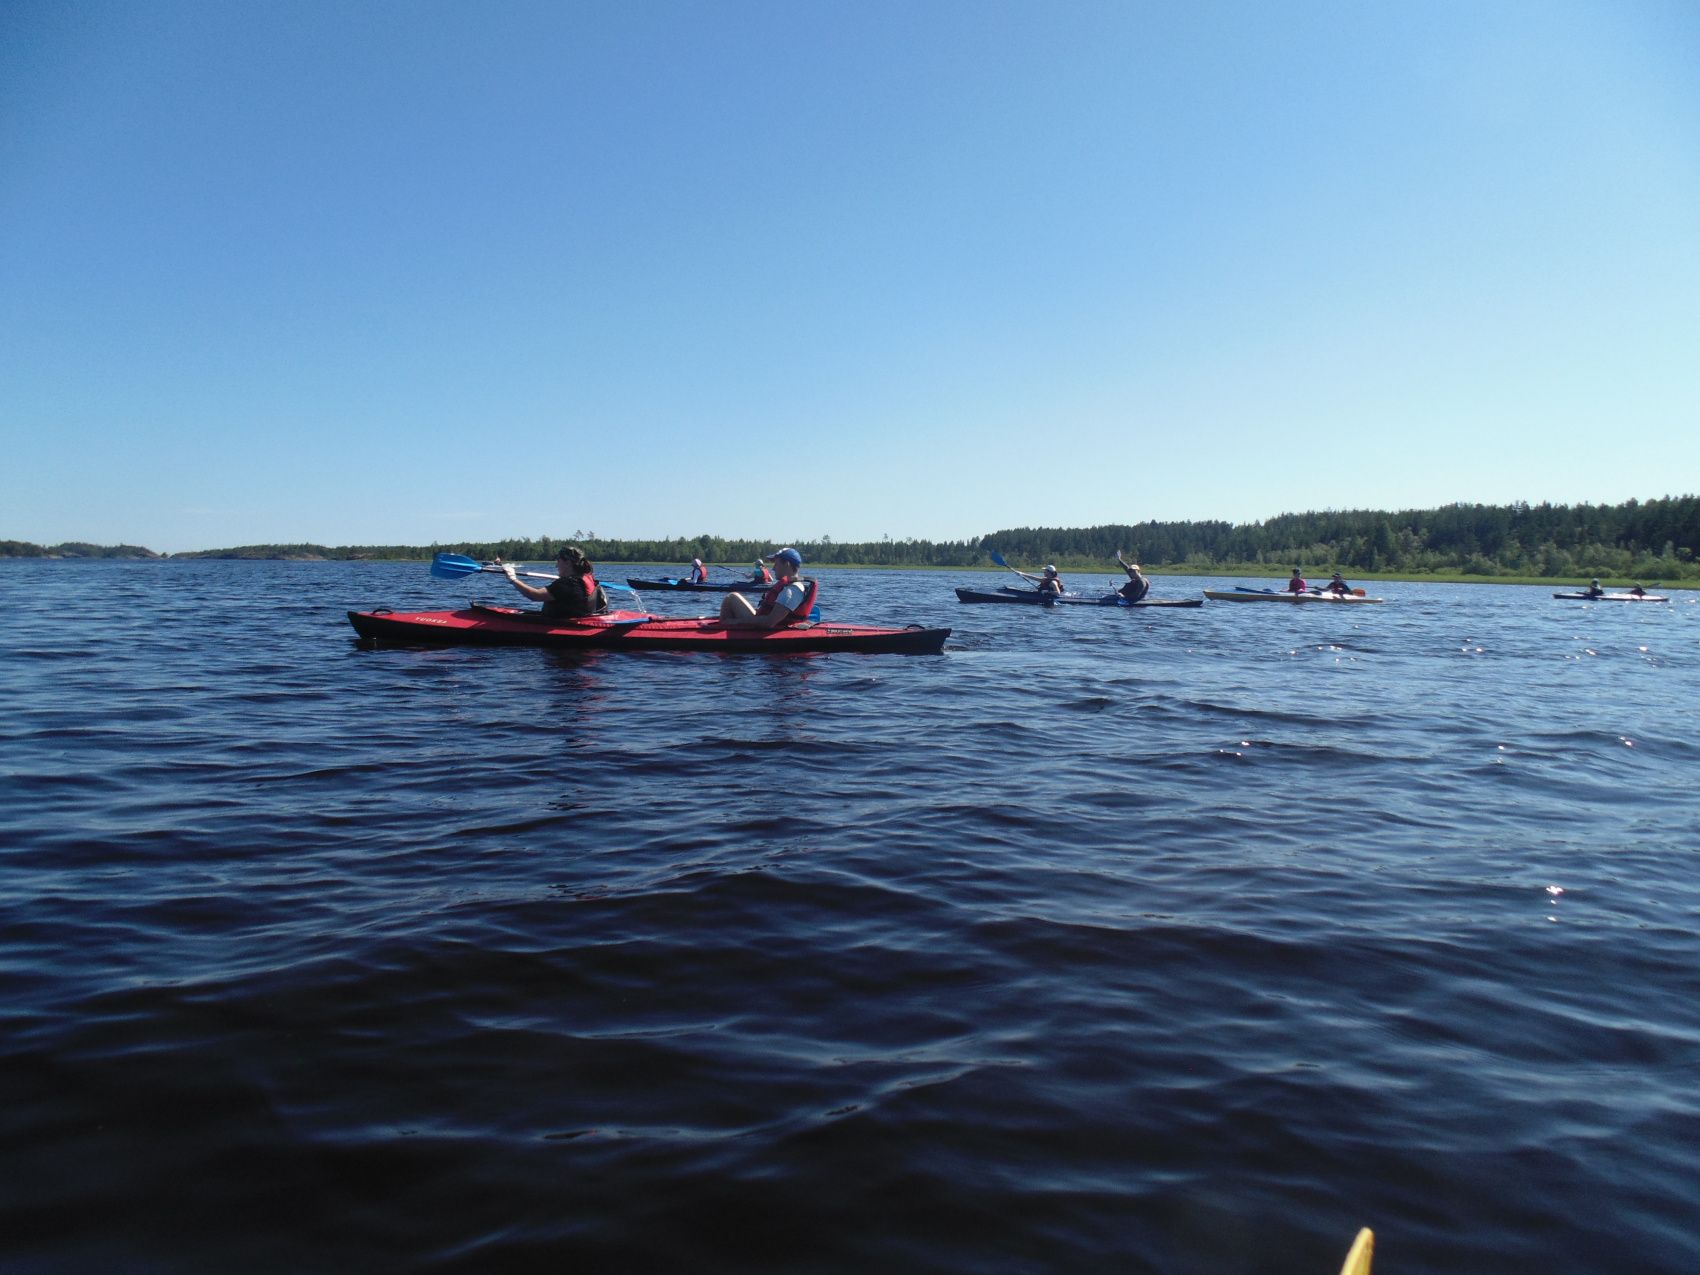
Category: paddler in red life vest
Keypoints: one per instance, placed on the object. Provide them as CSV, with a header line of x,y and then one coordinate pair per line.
x,y
762,575
788,599
575,593
1297,583
699,573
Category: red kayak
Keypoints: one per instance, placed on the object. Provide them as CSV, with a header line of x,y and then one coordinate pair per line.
x,y
632,631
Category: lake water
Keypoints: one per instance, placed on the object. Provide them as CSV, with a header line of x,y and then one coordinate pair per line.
x,y
1167,941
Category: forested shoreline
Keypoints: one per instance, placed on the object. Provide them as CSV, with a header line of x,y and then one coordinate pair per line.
x,y
1654,539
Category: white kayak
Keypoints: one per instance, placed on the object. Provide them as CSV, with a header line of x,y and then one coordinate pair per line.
x,y
1259,595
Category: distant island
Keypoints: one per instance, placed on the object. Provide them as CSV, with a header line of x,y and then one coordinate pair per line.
x,y
1652,540
73,549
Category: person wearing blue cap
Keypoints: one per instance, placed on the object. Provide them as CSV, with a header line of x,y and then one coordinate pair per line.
x,y
786,601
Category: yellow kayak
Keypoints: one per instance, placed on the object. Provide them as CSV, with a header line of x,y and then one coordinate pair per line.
x,y
1363,1248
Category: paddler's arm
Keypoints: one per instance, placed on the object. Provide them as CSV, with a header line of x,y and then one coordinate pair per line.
x,y
531,591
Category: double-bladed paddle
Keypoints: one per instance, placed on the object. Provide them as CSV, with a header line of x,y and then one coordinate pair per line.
x,y
453,566
998,558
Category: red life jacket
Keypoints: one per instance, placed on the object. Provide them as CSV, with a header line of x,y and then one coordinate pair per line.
x,y
698,574
594,598
1297,585
810,589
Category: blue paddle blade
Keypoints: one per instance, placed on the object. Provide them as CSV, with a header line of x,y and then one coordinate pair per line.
x,y
998,558
452,566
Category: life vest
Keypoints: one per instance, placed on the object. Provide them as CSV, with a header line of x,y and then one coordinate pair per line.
x,y
699,573
1297,585
593,595
595,601
1134,590
810,589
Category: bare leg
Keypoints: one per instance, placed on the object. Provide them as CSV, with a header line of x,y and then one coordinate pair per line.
x,y
735,607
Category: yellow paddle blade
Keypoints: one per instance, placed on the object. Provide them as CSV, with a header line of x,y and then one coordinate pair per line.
x,y
1363,1248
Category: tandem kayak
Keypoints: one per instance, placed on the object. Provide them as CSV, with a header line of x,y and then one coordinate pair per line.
x,y
687,586
1610,597
1032,597
1258,595
632,631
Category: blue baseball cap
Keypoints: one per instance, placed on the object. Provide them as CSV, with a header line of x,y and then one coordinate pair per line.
x,y
790,555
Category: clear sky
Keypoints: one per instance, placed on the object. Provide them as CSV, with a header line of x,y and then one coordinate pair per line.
x,y
420,271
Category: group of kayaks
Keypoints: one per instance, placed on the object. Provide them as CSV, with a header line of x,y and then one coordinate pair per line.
x,y
641,631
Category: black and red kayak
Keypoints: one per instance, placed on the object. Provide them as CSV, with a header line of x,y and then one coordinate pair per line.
x,y
1032,597
707,586
632,631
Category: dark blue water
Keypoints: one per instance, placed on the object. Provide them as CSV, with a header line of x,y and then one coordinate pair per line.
x,y
1137,941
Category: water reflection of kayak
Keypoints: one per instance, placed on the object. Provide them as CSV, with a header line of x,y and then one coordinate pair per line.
x,y
633,631
1032,597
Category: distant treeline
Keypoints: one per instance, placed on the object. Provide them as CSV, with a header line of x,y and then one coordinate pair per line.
x,y
1647,538
1656,539
71,549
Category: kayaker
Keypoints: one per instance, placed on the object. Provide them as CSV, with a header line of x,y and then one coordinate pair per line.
x,y
1593,590
575,593
782,604
762,575
1137,585
1297,583
699,573
1049,582
1637,590
1338,587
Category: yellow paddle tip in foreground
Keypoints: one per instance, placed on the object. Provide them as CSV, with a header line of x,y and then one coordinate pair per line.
x,y
1363,1248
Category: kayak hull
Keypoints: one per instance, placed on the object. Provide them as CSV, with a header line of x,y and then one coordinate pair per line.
x,y
632,631
1325,599
1610,597
686,586
1030,597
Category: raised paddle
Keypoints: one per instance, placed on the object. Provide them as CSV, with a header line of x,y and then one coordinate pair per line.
x,y
453,566
998,558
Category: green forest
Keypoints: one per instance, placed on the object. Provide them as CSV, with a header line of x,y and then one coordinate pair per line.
x,y
1653,539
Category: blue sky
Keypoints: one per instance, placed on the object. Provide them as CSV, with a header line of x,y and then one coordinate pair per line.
x,y
414,272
